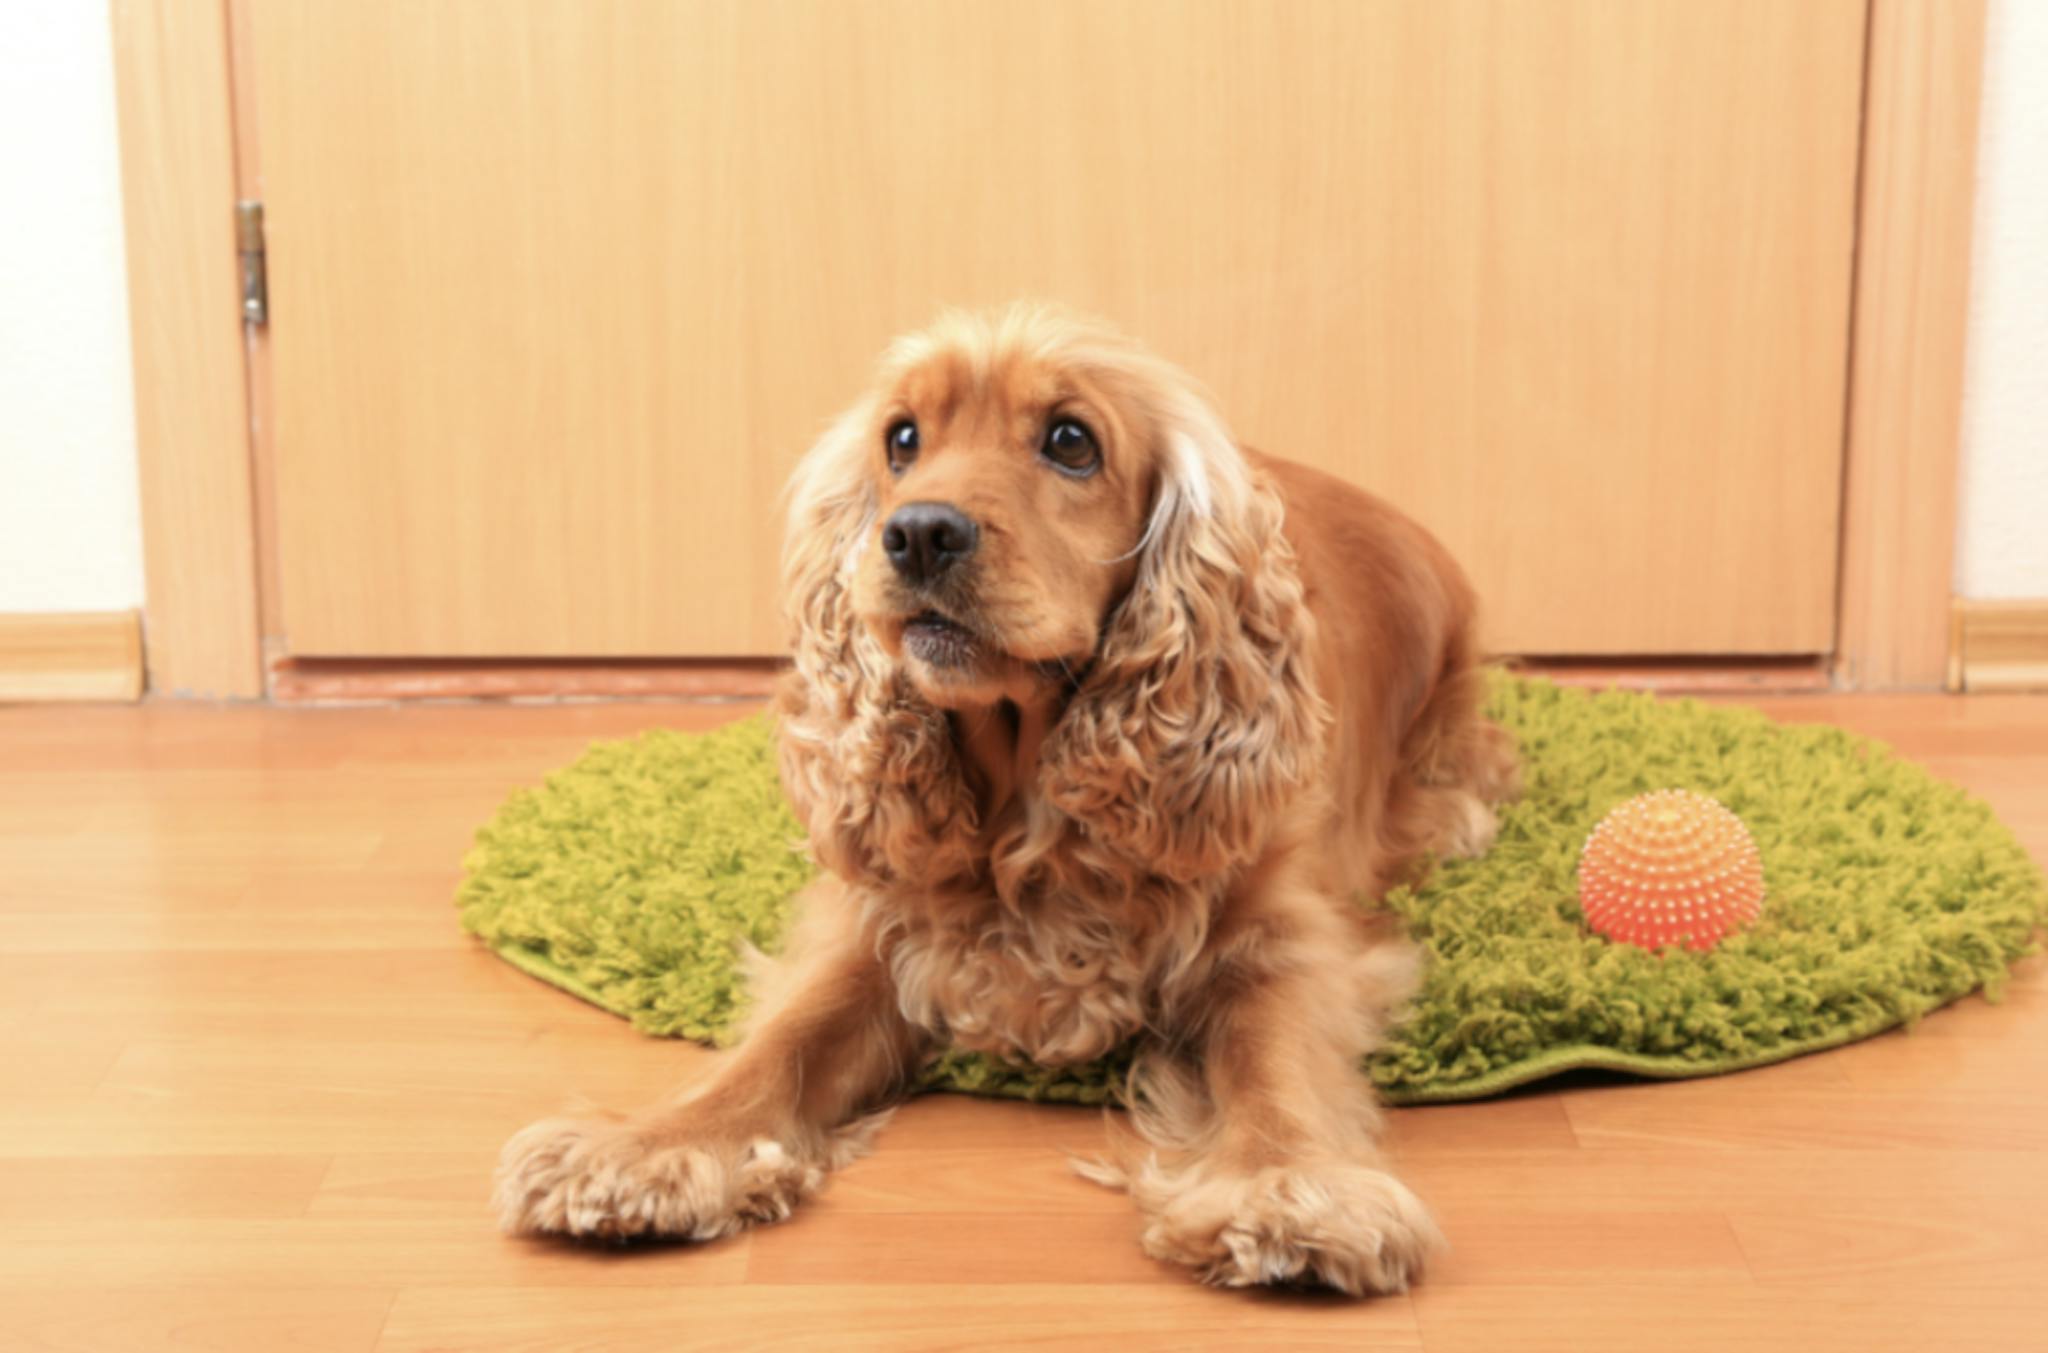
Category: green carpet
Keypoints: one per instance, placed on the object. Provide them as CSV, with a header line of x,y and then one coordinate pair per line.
x,y
629,878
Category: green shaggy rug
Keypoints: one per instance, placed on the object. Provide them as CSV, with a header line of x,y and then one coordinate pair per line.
x,y
630,878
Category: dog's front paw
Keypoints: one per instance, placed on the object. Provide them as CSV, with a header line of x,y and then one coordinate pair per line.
x,y
1332,1224
615,1180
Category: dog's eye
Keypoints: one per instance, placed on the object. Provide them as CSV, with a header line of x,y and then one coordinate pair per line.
x,y
1070,446
902,444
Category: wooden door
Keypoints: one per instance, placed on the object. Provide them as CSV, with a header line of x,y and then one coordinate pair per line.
x,y
562,288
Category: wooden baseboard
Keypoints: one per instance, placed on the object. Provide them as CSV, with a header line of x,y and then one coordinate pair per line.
x,y
2001,645
72,656
296,681
1794,675
376,681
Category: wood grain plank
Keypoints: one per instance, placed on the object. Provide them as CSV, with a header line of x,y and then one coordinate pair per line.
x,y
877,1315
445,1184
243,1144
1959,1243
1691,1114
251,925
835,1246
227,1255
1524,1245
985,1181
1936,1061
1666,1179
1533,1118
116,1188
514,1065
1692,1318
308,1319
953,1120
59,1059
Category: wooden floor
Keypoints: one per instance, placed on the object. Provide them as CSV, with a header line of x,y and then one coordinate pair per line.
x,y
252,1080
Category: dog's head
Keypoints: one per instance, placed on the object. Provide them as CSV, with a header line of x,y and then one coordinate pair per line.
x,y
1027,507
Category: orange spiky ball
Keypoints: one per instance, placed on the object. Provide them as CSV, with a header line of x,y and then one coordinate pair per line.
x,y
1668,867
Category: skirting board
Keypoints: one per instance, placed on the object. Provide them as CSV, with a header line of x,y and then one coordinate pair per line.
x,y
73,656
315,681
354,681
1798,675
2001,645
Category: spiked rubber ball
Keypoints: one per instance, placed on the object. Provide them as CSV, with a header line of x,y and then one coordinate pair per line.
x,y
1670,867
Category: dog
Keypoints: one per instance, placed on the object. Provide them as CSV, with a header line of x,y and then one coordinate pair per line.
x,y
1105,731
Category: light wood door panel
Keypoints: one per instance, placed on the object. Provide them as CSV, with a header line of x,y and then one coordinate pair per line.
x,y
562,289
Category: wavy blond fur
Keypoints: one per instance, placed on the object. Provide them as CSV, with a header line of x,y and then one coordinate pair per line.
x,y
1198,720
1161,839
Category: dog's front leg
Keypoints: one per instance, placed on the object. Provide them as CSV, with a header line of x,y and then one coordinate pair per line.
x,y
826,1049
1266,1166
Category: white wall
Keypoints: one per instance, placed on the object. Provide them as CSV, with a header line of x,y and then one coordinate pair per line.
x,y
2002,545
70,527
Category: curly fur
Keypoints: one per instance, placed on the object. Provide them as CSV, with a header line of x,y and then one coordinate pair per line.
x,y
1201,720
1212,698
870,768
1197,722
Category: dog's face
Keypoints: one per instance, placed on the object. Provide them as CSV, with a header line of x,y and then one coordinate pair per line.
x,y
1013,486
1026,507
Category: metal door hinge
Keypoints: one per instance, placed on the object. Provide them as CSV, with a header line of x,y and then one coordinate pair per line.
x,y
249,244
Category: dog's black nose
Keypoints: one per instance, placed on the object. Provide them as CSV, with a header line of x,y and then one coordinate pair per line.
x,y
923,540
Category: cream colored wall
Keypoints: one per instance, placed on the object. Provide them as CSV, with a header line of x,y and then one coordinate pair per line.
x,y
70,528
2002,543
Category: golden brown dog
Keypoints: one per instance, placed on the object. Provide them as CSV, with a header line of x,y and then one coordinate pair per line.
x,y
1102,727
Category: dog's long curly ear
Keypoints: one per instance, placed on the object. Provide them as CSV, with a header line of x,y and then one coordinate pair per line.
x,y
1200,720
868,766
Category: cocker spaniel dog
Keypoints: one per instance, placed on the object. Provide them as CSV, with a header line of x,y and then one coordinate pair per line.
x,y
1105,730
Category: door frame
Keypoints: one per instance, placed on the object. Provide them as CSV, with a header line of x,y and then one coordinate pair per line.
x,y
1923,68
202,630
188,142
